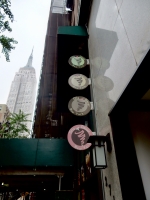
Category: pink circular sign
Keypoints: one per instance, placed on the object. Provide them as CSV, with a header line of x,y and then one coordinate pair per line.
x,y
78,136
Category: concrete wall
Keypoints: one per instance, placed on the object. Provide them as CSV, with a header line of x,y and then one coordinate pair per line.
x,y
119,38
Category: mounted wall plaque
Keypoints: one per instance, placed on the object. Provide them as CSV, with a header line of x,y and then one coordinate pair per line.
x,y
78,136
79,106
77,61
78,81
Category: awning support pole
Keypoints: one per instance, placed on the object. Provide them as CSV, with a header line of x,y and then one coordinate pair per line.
x,y
60,182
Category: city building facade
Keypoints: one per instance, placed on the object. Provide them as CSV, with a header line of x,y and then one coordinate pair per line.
x,y
109,48
23,90
4,113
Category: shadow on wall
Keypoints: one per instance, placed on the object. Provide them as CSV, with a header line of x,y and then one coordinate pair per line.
x,y
102,44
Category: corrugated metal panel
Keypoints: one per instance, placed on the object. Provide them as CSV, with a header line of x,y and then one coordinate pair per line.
x,y
57,10
59,3
59,6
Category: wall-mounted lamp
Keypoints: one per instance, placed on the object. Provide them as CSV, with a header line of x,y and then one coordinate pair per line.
x,y
98,149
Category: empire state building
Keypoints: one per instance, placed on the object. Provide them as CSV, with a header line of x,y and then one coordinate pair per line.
x,y
23,90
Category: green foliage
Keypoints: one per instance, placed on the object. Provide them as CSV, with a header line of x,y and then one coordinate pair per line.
x,y
4,25
6,42
4,5
15,126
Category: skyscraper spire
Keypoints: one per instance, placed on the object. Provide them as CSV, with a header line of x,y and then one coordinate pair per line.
x,y
29,63
32,51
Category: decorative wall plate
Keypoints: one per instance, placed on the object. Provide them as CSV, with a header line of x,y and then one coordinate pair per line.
x,y
79,106
78,136
77,61
78,81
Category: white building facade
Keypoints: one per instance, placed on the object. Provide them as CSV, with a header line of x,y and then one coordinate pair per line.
x,y
23,90
118,44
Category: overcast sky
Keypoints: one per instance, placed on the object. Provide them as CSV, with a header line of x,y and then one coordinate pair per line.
x,y
29,29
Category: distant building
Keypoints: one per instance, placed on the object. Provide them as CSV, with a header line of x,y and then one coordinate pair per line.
x,y
23,90
4,112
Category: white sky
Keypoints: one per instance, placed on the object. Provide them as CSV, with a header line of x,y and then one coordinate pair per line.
x,y
29,29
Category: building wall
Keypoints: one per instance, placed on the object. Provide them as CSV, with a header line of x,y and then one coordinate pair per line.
x,y
118,42
45,122
4,112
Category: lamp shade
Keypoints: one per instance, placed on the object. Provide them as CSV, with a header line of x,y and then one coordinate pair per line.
x,y
98,151
99,157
